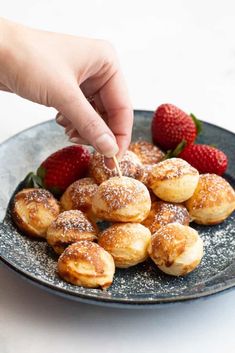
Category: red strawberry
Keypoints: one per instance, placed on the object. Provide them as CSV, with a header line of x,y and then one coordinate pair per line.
x,y
205,158
61,169
170,125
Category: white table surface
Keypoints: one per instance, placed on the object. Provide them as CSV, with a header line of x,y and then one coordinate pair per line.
x,y
181,52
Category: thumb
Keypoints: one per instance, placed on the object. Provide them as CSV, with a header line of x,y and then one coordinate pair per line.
x,y
89,125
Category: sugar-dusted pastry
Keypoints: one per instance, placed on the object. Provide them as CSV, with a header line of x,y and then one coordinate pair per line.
x,y
176,249
86,264
78,196
33,210
162,213
130,166
146,175
147,152
173,180
121,200
213,200
70,227
126,242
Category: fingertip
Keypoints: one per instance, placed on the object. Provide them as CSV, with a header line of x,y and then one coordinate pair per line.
x,y
78,141
61,120
106,145
109,163
123,144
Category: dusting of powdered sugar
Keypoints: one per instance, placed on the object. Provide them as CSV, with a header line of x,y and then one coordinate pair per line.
x,y
172,168
162,213
212,189
120,192
147,152
72,220
141,281
129,165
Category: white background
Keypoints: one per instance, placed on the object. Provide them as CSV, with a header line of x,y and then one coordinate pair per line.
x,y
181,52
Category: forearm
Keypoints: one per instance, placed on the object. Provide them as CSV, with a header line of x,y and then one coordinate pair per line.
x,y
12,54
6,52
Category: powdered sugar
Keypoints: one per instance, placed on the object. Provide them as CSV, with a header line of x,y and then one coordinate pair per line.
x,y
147,152
40,196
212,191
80,193
164,212
72,220
172,168
141,281
119,192
130,166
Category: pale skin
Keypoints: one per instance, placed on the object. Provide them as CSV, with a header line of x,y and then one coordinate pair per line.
x,y
67,72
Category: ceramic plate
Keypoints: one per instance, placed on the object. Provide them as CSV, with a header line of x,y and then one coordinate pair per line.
x,y
141,285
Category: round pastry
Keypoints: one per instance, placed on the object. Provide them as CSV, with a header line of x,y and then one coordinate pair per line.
x,y
33,210
213,200
162,213
121,200
86,264
176,249
173,180
126,242
147,171
147,152
70,227
130,166
78,196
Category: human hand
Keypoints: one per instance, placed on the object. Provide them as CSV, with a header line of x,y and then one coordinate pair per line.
x,y
60,71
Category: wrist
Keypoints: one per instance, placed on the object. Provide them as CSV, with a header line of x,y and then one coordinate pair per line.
x,y
6,27
5,51
8,39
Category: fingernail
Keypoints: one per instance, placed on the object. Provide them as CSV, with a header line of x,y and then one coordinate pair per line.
x,y
74,140
107,145
59,118
109,163
69,131
78,140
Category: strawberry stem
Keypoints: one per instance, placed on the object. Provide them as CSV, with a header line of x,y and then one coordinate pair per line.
x,y
32,181
197,123
174,153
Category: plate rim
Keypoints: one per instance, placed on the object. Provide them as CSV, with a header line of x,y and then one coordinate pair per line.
x,y
136,111
229,283
118,302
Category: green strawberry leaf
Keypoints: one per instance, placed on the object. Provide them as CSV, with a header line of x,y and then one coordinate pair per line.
x,y
41,172
179,148
197,122
174,153
32,181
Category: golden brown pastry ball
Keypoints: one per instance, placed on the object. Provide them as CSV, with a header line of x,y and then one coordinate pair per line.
x,y
176,249
162,213
126,242
78,196
147,152
86,264
130,166
33,210
70,227
213,200
146,175
122,200
173,180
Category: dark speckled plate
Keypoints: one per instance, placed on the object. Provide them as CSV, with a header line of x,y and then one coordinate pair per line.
x,y
142,285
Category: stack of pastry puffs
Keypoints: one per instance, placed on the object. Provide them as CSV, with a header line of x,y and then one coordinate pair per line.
x,y
149,209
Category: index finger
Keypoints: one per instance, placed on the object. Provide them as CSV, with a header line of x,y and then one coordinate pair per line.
x,y
117,105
